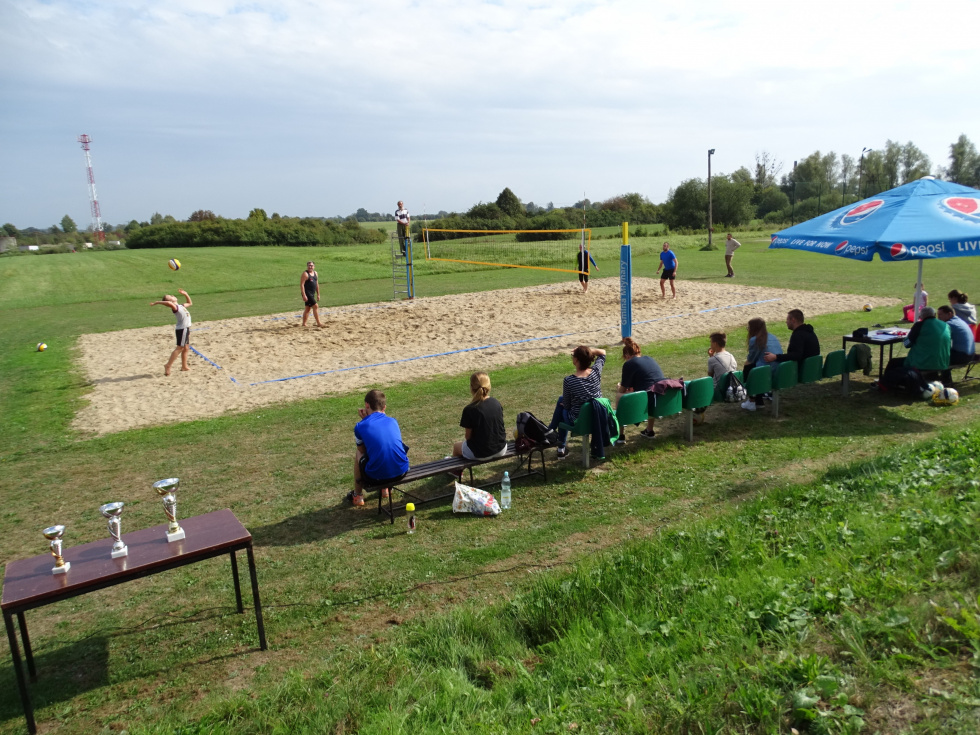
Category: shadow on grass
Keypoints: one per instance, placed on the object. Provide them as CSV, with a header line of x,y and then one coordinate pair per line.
x,y
62,674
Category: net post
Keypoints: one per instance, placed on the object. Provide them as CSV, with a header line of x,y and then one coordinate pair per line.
x,y
626,284
409,268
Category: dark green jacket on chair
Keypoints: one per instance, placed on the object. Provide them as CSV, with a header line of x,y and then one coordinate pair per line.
x,y
928,343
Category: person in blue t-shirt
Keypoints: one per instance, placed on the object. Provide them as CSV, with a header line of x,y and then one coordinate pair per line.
x,y
962,341
668,261
381,458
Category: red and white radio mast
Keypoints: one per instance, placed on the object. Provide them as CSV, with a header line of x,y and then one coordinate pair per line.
x,y
97,230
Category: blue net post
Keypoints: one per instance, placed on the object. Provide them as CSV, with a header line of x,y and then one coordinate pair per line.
x,y
626,285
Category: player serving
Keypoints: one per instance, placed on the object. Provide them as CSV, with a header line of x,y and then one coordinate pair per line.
x,y
183,328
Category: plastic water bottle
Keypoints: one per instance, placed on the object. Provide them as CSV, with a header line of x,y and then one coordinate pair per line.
x,y
410,508
505,491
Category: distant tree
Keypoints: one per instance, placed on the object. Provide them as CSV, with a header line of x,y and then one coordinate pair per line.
x,y
202,215
258,214
891,163
68,224
10,230
362,215
914,163
131,227
741,176
767,168
509,204
531,208
582,204
275,216
770,199
156,219
687,205
168,219
487,211
731,199
964,163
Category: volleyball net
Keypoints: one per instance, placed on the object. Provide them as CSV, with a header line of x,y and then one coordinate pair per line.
x,y
553,250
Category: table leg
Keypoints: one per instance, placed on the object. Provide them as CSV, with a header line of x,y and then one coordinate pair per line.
x,y
881,360
255,597
25,697
238,585
28,653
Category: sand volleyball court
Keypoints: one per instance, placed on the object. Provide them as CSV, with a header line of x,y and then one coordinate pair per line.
x,y
254,361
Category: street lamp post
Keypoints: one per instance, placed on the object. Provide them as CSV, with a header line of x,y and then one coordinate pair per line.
x,y
711,152
861,173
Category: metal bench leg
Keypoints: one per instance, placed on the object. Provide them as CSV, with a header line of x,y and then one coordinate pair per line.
x,y
689,425
775,403
585,451
845,383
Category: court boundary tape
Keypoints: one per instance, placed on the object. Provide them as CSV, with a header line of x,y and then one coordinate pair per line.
x,y
491,346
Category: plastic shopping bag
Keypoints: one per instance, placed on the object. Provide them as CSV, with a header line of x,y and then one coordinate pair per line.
x,y
473,500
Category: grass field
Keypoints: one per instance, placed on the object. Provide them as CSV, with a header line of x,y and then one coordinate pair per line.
x,y
772,574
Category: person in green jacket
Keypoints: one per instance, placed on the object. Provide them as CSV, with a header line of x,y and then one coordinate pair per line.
x,y
929,342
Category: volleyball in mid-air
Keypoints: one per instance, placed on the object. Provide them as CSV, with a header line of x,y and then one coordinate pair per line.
x,y
867,307
41,347
174,264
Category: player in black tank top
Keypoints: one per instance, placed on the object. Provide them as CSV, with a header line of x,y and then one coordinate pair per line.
x,y
310,292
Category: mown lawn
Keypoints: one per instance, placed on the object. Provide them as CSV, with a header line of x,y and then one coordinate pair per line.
x,y
475,624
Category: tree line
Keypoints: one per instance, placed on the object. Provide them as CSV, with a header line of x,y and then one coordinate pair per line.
x,y
818,183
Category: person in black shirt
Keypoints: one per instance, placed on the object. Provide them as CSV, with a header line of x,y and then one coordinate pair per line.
x,y
640,372
309,288
483,419
803,342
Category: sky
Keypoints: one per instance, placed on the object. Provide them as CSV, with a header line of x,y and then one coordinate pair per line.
x,y
317,107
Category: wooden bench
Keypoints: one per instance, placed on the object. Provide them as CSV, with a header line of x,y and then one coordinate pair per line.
x,y
456,466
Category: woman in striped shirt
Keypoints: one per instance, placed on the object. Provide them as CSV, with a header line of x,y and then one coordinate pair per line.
x,y
577,389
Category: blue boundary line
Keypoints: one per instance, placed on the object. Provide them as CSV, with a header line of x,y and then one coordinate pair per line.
x,y
212,362
498,344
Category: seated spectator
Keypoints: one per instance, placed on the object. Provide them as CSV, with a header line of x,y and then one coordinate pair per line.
x,y
720,361
381,458
923,301
640,372
578,388
962,343
803,342
962,306
929,344
483,420
760,342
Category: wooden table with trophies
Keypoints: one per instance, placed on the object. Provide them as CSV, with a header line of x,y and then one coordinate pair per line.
x,y
32,583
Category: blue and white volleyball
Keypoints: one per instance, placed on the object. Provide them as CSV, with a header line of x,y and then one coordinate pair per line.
x,y
867,307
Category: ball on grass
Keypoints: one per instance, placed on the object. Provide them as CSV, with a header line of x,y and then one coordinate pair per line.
x,y
946,397
867,307
41,347
174,264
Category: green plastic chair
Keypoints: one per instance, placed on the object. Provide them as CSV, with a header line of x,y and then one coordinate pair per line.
x,y
583,428
632,409
760,381
670,403
700,394
787,376
834,365
812,369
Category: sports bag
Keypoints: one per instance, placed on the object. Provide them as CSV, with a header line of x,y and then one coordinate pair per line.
x,y
530,427
734,391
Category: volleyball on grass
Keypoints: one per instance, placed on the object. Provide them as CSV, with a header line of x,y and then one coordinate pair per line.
x,y
41,347
174,264
946,397
867,307
932,389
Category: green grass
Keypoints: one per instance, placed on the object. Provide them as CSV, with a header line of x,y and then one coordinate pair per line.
x,y
353,604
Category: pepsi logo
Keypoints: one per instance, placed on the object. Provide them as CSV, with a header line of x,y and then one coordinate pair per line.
x,y
861,212
967,206
898,251
841,247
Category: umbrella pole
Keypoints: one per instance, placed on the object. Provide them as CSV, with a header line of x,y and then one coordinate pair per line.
x,y
918,295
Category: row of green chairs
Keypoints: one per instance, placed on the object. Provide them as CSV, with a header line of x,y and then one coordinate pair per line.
x,y
636,408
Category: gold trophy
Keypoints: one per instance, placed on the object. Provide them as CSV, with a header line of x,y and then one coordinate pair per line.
x,y
54,534
167,489
112,512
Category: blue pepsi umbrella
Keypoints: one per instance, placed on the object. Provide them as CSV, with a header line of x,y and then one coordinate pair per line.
x,y
921,220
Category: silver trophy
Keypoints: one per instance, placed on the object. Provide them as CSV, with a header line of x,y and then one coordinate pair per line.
x,y
54,534
167,490
112,512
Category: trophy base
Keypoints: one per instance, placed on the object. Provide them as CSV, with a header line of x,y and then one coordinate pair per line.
x,y
175,536
124,551
61,570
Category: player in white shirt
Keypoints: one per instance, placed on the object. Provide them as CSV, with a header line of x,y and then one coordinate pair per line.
x,y
182,328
